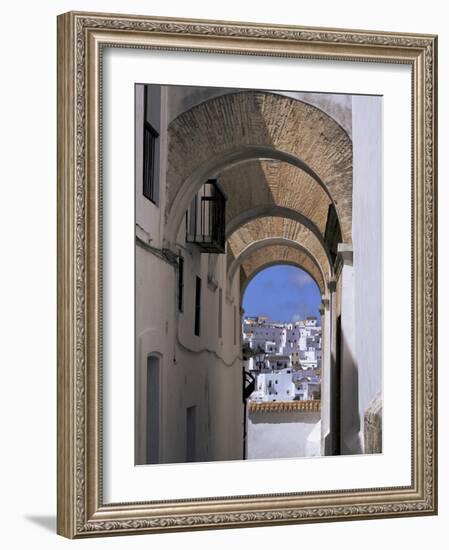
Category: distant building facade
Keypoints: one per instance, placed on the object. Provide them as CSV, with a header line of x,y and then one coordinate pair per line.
x,y
282,355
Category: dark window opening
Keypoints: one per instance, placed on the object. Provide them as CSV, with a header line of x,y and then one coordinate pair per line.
x,y
149,147
197,306
205,220
180,283
151,122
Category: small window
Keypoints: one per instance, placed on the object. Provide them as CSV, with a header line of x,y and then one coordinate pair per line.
x,y
205,220
149,160
151,145
197,306
220,312
180,283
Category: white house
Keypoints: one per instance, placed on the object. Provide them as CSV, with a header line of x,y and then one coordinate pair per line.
x,y
274,386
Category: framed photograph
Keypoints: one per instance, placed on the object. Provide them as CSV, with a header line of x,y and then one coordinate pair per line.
x,y
246,274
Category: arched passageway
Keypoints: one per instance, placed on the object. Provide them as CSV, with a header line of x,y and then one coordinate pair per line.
x,y
274,251
232,129
282,352
270,227
250,179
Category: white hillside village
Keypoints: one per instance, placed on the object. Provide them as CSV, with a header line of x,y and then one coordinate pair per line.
x,y
283,362
285,359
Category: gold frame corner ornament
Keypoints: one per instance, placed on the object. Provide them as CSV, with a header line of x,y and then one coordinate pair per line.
x,y
81,511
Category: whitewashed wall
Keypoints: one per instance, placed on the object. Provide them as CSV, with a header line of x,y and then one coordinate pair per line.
x,y
149,218
367,241
202,371
283,434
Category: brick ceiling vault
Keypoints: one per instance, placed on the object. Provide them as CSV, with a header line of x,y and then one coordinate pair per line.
x,y
279,254
268,183
265,228
271,246
211,134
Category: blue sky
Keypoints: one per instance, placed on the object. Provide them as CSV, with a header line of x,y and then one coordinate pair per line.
x,y
284,293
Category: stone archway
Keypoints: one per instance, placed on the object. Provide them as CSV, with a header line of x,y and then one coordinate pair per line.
x,y
235,128
290,230
286,168
285,253
272,253
260,184
247,280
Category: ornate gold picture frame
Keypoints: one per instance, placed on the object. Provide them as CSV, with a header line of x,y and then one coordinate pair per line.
x,y
82,41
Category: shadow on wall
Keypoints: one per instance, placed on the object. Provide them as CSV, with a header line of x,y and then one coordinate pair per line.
x,y
350,420
350,433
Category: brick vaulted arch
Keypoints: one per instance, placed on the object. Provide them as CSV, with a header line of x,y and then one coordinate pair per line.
x,y
276,254
272,245
261,184
262,229
233,128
